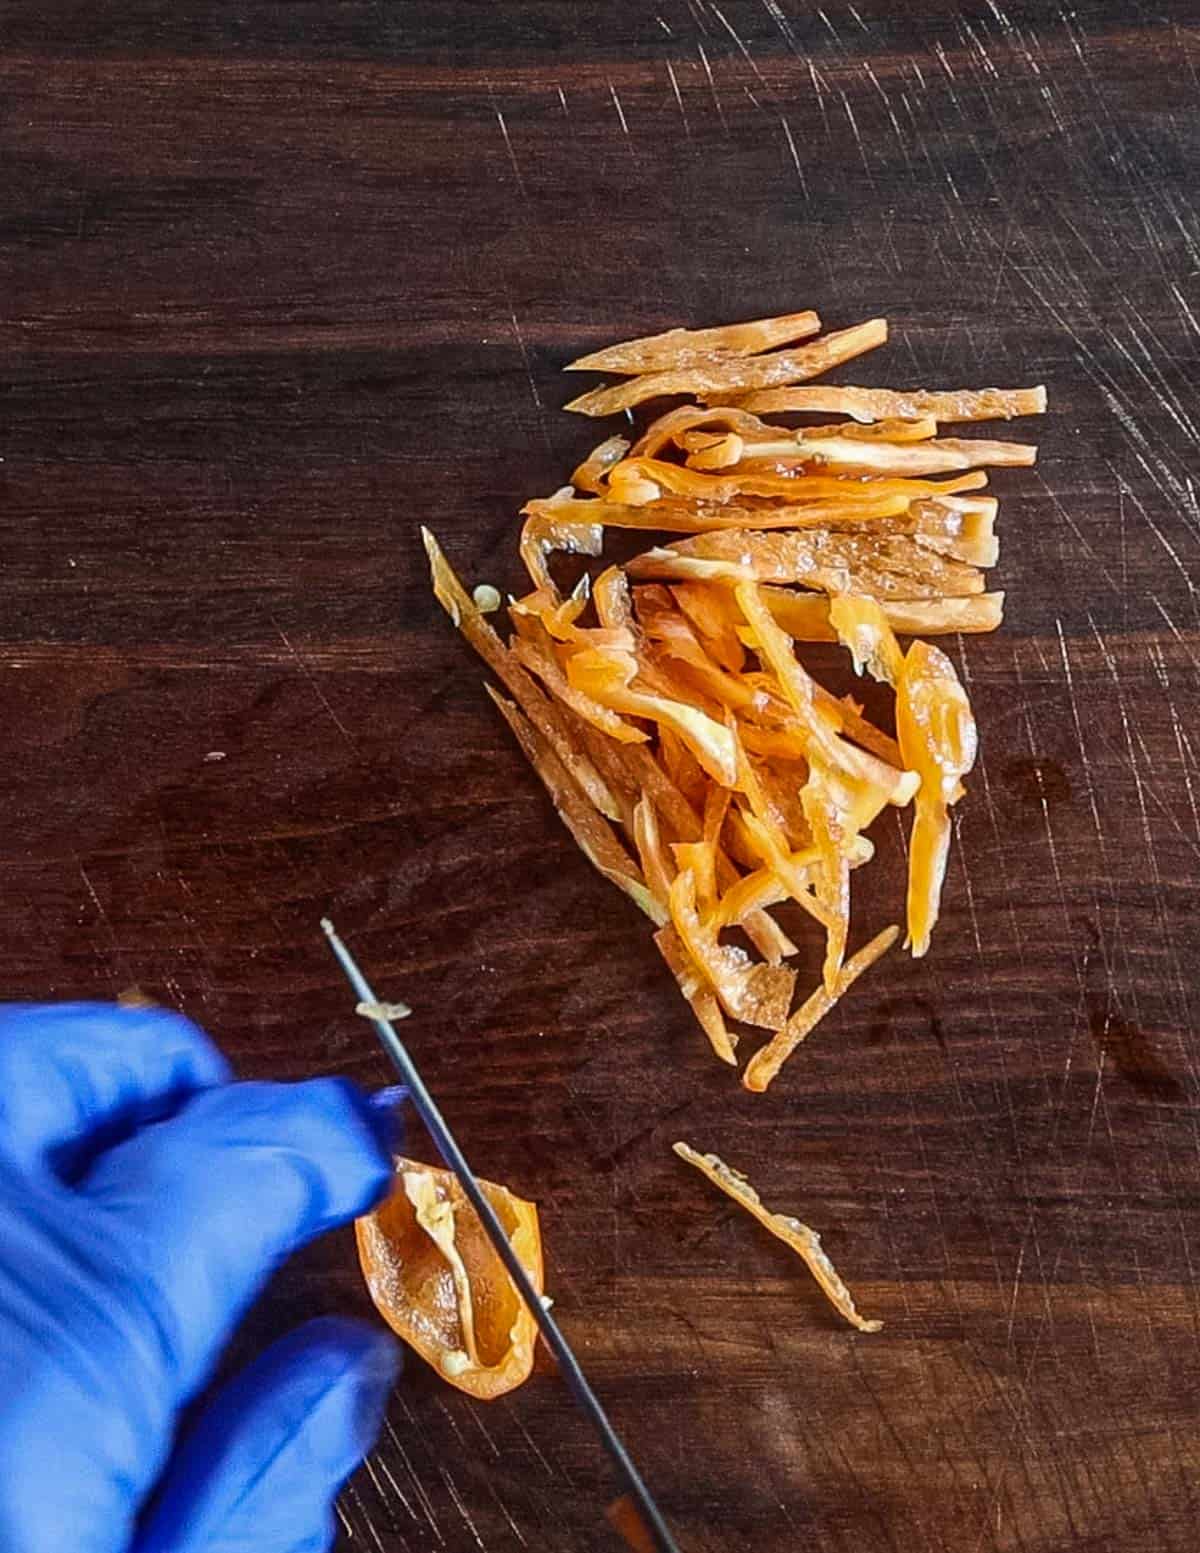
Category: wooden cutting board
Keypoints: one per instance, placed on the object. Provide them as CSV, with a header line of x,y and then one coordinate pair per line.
x,y
278,283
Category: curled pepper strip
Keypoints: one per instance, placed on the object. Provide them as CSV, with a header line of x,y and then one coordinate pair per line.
x,y
803,1240
438,1283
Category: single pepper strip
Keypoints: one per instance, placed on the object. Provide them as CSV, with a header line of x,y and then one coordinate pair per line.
x,y
803,1240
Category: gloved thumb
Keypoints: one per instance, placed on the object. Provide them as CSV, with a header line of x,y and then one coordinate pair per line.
x,y
260,1471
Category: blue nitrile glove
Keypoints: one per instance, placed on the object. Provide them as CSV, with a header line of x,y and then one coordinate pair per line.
x,y
144,1201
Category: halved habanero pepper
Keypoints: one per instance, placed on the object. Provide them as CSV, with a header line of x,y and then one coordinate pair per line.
x,y
437,1281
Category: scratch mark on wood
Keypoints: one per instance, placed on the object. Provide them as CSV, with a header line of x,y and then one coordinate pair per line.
x,y
819,90
775,11
508,146
312,679
745,52
858,139
712,86
1089,786
787,131
418,1487
1012,1304
624,122
1139,787
1182,745
460,1505
678,100
367,1521
1064,513
698,16
529,1440
829,27
392,1483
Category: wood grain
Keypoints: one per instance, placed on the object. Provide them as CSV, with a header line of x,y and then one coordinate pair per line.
x,y
279,282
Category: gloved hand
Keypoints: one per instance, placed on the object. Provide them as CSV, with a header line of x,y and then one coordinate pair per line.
x,y
144,1201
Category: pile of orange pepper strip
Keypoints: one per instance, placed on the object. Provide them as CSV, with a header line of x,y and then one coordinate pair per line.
x,y
695,759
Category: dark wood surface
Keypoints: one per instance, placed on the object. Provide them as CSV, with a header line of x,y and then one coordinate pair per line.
x,y
280,281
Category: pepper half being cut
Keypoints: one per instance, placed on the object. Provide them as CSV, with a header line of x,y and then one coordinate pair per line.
x,y
438,1283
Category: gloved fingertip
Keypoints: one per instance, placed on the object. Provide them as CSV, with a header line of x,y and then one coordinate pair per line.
x,y
361,1363
264,1461
388,1117
380,1115
368,1382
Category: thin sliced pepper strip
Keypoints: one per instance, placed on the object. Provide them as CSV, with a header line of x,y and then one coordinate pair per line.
x,y
834,561
937,733
592,474
589,830
805,616
700,996
639,481
679,348
697,515
484,1343
542,712
804,454
863,629
548,530
798,686
714,617
658,869
677,424
832,835
877,404
803,1240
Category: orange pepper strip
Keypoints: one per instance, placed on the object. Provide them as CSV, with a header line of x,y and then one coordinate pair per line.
x,y
543,713
637,481
799,688
887,566
438,1283
804,1241
657,867
803,454
699,994
547,530
766,1063
589,830
937,735
876,404
863,629
676,425
606,676
805,616
680,347
857,504
593,472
